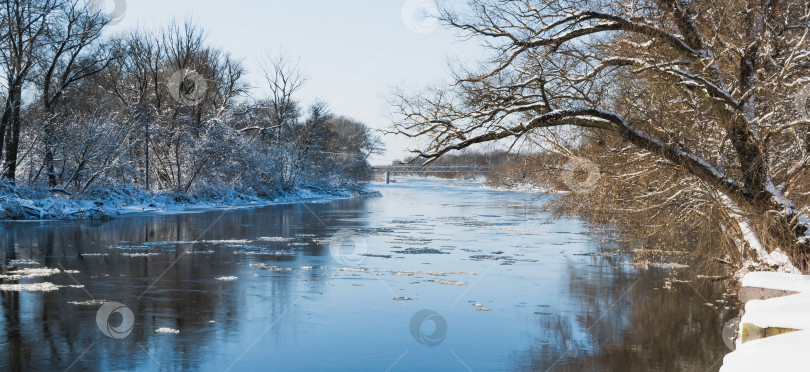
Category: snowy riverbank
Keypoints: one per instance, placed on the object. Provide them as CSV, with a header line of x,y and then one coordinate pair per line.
x,y
774,333
54,204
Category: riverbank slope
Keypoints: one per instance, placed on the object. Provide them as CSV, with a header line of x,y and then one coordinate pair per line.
x,y
27,203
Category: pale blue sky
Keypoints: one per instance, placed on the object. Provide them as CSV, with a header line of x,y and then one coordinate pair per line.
x,y
353,51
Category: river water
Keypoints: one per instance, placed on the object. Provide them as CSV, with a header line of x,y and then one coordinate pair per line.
x,y
434,275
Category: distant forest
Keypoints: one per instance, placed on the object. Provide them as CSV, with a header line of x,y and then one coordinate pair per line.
x,y
505,169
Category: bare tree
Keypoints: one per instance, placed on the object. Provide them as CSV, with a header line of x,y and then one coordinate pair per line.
x,y
284,78
682,85
70,57
24,35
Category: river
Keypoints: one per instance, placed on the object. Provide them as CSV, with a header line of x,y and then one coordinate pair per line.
x,y
434,275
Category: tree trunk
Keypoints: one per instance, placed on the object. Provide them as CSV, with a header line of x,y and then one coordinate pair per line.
x,y
12,143
3,125
48,160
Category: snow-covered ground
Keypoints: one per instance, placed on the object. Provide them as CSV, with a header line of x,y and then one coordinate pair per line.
x,y
42,204
784,352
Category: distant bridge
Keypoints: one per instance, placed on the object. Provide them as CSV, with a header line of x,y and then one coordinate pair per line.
x,y
429,169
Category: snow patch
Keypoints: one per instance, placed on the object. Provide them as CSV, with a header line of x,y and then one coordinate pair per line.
x,y
785,352
782,352
784,312
774,280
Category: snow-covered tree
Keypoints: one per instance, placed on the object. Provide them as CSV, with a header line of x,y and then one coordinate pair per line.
x,y
704,92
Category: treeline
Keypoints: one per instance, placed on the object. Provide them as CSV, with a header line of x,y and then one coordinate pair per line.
x,y
504,168
157,109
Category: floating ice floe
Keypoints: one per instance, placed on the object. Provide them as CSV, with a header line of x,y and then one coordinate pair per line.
x,y
230,241
35,272
140,254
29,273
226,278
481,257
200,252
128,247
176,242
405,273
88,303
273,239
271,267
449,282
353,269
376,255
32,287
420,251
260,251
23,261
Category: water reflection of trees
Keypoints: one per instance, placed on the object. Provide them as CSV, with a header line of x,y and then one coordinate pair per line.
x,y
41,331
648,329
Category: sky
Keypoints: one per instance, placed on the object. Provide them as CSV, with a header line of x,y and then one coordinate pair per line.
x,y
354,52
